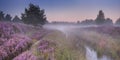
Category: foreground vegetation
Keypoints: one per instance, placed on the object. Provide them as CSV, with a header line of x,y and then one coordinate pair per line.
x,y
19,41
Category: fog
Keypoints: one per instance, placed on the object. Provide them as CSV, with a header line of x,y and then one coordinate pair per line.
x,y
66,27
71,30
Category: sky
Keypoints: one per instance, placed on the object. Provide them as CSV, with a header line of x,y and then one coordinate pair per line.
x,y
65,10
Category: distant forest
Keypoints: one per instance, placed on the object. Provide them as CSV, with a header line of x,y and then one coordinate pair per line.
x,y
36,16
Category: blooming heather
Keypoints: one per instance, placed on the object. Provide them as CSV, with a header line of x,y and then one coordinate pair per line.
x,y
46,50
17,44
3,52
15,38
6,30
27,55
2,40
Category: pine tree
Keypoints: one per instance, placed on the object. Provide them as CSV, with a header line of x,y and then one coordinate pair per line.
x,y
8,17
34,15
1,16
100,18
16,19
118,21
108,21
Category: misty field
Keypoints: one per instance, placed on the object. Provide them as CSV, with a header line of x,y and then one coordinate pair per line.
x,y
19,41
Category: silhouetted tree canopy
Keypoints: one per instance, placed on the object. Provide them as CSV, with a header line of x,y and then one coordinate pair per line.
x,y
78,22
34,15
16,19
100,18
87,22
8,17
108,21
118,21
4,17
1,16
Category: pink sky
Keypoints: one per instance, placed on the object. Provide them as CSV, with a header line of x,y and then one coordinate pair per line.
x,y
75,15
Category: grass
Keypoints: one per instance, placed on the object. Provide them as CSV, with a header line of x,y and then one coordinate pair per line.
x,y
73,47
66,49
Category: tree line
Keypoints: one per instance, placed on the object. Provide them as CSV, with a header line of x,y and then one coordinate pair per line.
x,y
32,15
8,17
100,20
36,16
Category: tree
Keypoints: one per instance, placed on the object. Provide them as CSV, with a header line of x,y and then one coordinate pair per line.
x,y
118,21
100,18
108,21
34,15
8,17
1,16
87,22
78,22
16,19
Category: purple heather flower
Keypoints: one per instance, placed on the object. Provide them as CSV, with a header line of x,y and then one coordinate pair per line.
x,y
27,55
